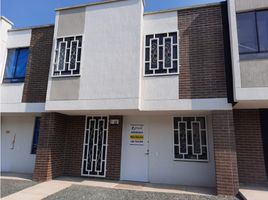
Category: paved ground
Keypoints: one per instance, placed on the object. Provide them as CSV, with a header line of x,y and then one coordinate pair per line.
x,y
9,186
78,192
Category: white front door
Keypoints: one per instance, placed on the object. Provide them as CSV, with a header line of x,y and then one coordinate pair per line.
x,y
135,150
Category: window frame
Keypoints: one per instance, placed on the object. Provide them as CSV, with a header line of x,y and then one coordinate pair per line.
x,y
256,29
207,141
37,118
178,54
54,56
15,79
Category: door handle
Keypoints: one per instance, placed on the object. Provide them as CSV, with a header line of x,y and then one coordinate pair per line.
x,y
147,153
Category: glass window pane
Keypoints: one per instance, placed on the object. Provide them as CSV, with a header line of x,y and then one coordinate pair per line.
x,y
247,33
36,135
22,62
11,62
262,20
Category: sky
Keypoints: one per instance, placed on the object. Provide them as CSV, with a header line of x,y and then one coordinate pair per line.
x,y
25,13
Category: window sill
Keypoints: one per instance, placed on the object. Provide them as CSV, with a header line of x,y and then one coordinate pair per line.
x,y
13,81
253,56
66,76
193,160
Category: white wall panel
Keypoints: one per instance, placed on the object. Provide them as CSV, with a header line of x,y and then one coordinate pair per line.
x,y
162,167
17,157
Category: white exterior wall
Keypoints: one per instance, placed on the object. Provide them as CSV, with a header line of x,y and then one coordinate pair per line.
x,y
4,27
17,159
110,63
159,88
162,167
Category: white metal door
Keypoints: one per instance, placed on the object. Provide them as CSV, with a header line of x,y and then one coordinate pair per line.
x,y
135,150
95,147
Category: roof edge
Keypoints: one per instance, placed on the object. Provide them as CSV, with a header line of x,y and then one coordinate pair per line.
x,y
30,27
184,8
7,20
90,4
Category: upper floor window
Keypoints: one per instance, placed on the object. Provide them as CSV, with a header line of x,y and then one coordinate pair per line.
x,y
161,54
253,32
68,56
16,65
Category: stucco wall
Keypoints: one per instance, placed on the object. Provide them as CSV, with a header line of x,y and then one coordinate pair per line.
x,y
159,87
71,22
254,73
19,158
162,167
246,5
110,56
4,27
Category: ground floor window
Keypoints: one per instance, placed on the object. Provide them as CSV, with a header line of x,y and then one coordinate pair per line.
x,y
35,135
190,139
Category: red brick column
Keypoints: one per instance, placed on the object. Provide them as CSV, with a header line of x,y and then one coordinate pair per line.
x,y
225,153
36,78
74,140
250,157
114,149
50,151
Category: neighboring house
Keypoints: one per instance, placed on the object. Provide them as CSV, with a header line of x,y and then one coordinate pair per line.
x,y
249,44
25,59
121,94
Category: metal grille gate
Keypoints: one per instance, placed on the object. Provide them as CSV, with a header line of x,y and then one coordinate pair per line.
x,y
95,147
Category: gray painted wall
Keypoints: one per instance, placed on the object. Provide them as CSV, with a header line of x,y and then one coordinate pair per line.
x,y
254,73
71,22
245,5
65,88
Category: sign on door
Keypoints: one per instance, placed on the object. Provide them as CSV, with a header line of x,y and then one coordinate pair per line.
x,y
136,135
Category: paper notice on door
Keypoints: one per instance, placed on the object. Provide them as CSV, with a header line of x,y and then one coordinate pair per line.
x,y
136,135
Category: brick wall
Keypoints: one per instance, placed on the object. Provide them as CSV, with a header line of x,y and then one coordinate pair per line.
x,y
50,151
202,60
74,140
251,166
60,147
114,149
36,78
225,153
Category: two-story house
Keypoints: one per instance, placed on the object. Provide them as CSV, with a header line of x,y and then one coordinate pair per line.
x,y
114,92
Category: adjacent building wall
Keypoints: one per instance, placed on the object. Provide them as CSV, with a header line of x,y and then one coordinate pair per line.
x,y
12,92
254,73
249,71
246,5
5,25
16,144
